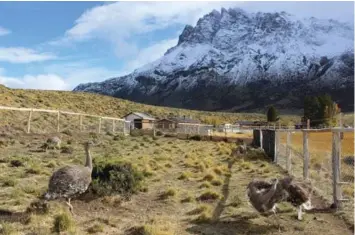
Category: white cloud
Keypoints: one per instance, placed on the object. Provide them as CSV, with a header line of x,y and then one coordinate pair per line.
x,y
119,22
150,54
23,55
41,82
4,31
64,76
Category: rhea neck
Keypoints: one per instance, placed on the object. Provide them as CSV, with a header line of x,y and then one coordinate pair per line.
x,y
88,162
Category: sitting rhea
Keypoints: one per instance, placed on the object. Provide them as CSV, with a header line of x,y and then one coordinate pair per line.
x,y
52,143
70,181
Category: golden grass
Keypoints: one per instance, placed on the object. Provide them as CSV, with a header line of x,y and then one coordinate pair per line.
x,y
320,142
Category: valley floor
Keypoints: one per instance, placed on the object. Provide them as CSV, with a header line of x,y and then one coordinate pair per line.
x,y
180,172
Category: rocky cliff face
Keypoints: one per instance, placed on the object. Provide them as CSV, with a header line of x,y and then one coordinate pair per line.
x,y
237,61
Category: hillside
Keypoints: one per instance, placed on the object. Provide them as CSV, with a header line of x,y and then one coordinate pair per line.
x,y
238,61
105,106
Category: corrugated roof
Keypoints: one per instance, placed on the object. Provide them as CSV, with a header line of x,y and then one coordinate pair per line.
x,y
142,115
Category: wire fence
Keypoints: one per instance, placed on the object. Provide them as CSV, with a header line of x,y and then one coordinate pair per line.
x,y
230,131
292,149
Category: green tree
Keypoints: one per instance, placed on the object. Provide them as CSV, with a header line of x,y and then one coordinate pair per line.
x,y
321,110
311,109
272,114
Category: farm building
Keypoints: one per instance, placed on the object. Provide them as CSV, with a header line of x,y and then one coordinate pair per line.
x,y
140,120
250,124
166,123
227,127
172,122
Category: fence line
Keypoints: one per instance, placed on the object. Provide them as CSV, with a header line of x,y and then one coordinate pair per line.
x,y
59,112
321,163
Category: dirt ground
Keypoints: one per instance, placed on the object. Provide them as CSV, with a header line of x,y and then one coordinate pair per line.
x,y
181,169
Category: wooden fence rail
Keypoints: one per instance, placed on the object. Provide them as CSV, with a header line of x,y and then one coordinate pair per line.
x,y
335,156
60,112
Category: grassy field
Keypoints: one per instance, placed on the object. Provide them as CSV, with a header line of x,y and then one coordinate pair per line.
x,y
320,142
189,187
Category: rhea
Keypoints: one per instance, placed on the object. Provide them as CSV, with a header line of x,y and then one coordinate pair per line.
x,y
70,181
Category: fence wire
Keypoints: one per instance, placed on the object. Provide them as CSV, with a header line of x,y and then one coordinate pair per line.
x,y
347,173
320,172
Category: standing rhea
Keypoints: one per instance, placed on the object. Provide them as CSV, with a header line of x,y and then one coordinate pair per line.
x,y
299,197
70,181
264,196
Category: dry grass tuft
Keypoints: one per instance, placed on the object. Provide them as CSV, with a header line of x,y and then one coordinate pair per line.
x,y
96,228
169,193
209,196
63,222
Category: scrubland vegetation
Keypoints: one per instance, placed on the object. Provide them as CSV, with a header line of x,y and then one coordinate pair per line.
x,y
156,186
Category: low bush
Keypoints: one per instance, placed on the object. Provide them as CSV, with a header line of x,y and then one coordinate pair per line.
x,y
16,163
159,133
196,137
111,178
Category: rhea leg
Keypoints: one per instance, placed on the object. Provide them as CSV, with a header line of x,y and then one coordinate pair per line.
x,y
299,214
70,206
276,217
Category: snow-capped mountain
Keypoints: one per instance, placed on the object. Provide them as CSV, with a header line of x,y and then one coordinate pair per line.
x,y
234,60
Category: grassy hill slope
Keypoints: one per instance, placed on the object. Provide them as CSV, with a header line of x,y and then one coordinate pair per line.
x,y
108,106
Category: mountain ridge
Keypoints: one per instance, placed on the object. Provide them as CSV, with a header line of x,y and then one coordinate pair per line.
x,y
218,64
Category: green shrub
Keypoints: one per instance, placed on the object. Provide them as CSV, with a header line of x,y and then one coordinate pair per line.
x,y
196,137
16,163
159,133
111,178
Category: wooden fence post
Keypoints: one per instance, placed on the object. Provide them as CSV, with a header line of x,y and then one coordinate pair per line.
x,y
277,143
29,121
288,152
305,156
81,122
261,138
113,126
58,115
336,168
308,124
154,133
100,125
124,127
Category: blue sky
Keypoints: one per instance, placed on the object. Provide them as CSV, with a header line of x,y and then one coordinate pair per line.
x,y
57,45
